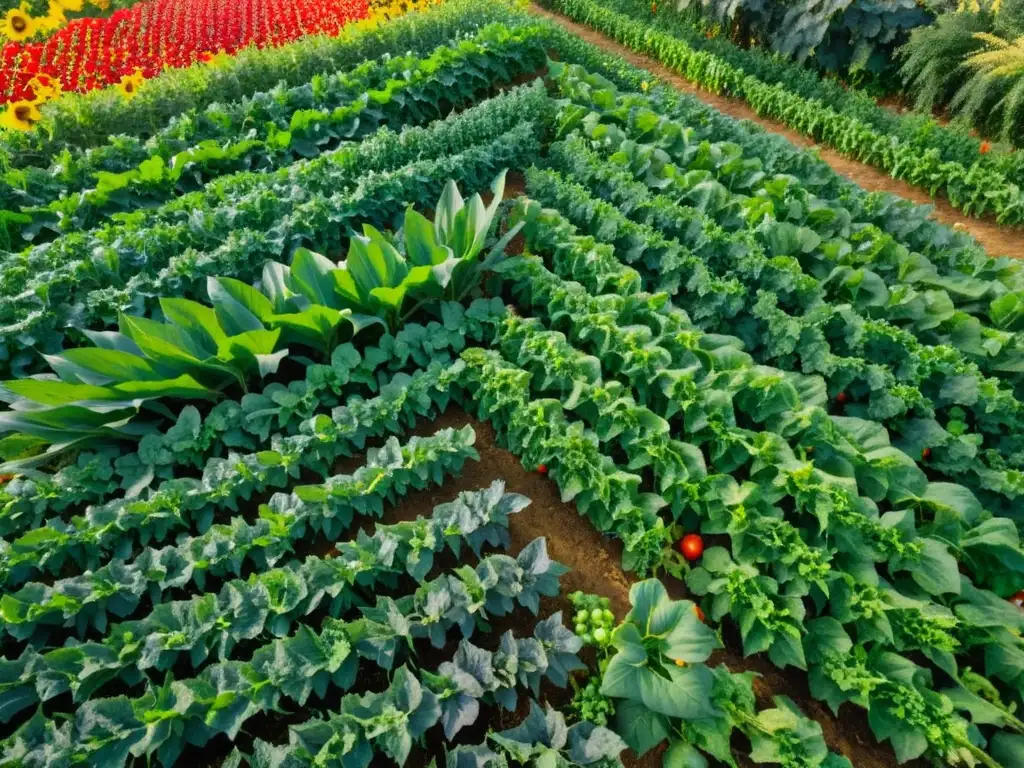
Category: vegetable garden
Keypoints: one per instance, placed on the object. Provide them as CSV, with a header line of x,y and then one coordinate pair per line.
x,y
444,390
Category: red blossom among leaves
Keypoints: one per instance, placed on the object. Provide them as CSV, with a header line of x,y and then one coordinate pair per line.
x,y
153,35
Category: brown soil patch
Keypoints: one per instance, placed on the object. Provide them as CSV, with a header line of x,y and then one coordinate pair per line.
x,y
595,563
997,240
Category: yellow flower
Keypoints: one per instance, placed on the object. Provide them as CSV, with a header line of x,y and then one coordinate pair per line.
x,y
130,84
70,5
54,19
45,88
101,4
20,115
17,25
644,86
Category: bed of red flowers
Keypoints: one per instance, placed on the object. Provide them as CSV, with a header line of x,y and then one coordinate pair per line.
x,y
151,35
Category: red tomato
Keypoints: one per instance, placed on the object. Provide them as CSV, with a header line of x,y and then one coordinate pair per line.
x,y
698,612
842,397
542,468
926,454
692,546
1018,599
985,148
6,479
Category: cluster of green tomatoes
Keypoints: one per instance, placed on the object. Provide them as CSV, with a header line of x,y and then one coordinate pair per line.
x,y
594,624
594,621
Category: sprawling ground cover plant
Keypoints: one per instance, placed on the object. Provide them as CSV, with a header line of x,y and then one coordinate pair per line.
x,y
304,661
151,35
652,674
762,541
976,187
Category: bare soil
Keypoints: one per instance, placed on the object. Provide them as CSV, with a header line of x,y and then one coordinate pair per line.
x,y
997,240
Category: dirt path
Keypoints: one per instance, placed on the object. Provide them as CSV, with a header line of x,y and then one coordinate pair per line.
x,y
595,563
998,241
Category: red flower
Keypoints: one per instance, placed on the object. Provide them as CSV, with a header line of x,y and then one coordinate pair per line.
x,y
151,35
985,148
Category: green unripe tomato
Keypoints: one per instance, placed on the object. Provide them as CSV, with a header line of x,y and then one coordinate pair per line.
x,y
587,638
596,614
600,634
581,617
609,616
581,629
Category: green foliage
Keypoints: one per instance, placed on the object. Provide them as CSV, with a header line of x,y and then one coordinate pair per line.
x,y
975,186
933,69
209,625
664,691
844,36
83,280
83,187
78,120
377,279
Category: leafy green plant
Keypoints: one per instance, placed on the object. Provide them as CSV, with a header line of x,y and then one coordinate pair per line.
x,y
194,354
542,739
439,260
654,671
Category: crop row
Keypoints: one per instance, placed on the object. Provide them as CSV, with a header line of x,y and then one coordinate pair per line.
x,y
719,268
269,131
976,190
83,602
80,121
859,388
67,282
851,260
914,130
713,394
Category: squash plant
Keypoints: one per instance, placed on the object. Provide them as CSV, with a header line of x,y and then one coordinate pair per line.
x,y
652,669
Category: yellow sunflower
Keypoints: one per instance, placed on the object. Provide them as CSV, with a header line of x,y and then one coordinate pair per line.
x,y
54,19
17,25
20,115
70,5
130,84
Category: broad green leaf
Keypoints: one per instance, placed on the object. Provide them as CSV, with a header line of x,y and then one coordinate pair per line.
x,y
937,573
161,342
90,365
239,306
420,245
639,727
275,281
311,275
197,320
683,755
